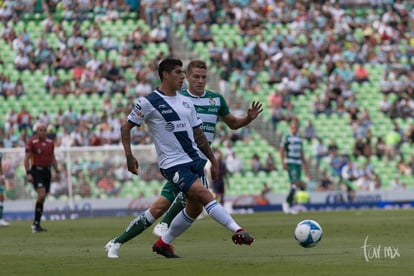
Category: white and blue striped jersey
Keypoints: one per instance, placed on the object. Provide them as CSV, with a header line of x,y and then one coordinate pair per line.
x,y
170,120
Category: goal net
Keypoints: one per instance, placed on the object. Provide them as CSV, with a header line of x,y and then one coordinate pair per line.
x,y
87,172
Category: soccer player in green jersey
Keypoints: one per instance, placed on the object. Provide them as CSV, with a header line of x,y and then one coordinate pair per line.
x,y
209,106
291,154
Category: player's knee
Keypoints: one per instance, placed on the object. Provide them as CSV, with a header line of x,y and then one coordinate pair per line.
x,y
194,210
41,195
159,207
205,197
41,198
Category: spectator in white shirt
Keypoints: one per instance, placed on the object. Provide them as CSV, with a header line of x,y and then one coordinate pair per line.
x,y
21,62
18,43
234,164
158,35
350,171
93,64
385,105
365,183
48,24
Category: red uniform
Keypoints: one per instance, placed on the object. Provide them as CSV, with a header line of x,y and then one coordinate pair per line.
x,y
38,159
42,151
42,156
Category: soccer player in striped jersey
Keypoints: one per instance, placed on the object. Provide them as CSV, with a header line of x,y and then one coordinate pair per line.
x,y
292,157
178,138
209,106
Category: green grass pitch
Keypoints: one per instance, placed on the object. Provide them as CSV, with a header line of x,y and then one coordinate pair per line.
x,y
75,247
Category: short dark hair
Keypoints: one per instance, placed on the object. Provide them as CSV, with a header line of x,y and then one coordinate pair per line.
x,y
167,65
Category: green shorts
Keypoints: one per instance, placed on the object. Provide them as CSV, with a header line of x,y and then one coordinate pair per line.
x,y
294,171
170,191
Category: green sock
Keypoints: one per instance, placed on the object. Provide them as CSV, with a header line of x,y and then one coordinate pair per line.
x,y
1,210
175,208
135,227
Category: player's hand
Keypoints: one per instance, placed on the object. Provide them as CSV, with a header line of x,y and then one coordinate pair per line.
x,y
285,166
29,178
254,110
132,164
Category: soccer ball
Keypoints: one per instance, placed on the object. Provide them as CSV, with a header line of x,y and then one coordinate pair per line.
x,y
308,233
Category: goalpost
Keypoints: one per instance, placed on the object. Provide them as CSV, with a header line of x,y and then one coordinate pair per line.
x,y
102,168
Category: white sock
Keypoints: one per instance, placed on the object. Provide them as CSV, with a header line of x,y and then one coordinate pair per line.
x,y
179,224
148,216
219,214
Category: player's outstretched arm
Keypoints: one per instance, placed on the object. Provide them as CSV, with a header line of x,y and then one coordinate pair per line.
x,y
132,163
235,122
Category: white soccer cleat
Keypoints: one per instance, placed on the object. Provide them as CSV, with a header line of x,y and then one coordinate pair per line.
x,y
4,223
112,248
160,229
285,207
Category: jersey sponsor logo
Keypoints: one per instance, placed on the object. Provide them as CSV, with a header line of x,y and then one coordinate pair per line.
x,y
181,125
166,111
138,110
186,105
137,113
169,127
207,128
162,106
213,109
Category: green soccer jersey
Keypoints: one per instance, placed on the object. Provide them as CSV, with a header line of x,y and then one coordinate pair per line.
x,y
209,107
293,149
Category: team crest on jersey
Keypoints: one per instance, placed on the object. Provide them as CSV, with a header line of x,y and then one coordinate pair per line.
x,y
186,105
212,101
169,127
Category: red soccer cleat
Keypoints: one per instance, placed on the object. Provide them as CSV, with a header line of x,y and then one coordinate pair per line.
x,y
242,237
162,248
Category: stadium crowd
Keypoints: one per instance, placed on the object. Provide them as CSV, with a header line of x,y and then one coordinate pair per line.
x,y
304,46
